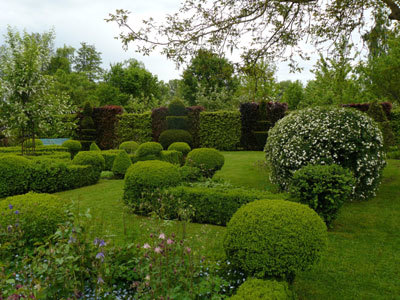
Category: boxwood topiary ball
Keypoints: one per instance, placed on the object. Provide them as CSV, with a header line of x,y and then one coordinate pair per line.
x,y
121,163
130,147
274,238
73,147
15,175
208,160
92,158
149,148
181,147
170,136
258,289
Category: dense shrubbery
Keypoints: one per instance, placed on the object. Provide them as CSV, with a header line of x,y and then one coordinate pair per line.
x,y
327,136
105,119
149,148
144,177
395,124
38,150
29,143
158,121
386,106
94,147
190,174
323,188
92,158
249,117
258,289
135,127
274,238
177,122
15,175
172,156
171,136
177,108
130,147
109,157
73,147
181,147
208,160
121,163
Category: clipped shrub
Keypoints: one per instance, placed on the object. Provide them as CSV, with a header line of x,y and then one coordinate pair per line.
x,y
158,121
106,121
29,143
109,157
73,147
208,160
275,111
249,117
94,147
135,127
261,138
15,175
121,163
323,188
181,147
274,238
87,129
130,147
376,112
172,156
170,136
386,106
149,148
144,177
190,174
220,130
38,215
258,289
177,108
194,123
327,136
395,124
92,158
79,176
177,122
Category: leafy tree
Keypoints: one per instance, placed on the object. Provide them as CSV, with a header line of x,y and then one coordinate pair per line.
x,y
62,60
27,98
293,94
88,61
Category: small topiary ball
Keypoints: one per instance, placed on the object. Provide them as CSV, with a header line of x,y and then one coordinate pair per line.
x,y
341,136
121,163
149,148
208,160
274,238
73,147
177,108
170,136
258,289
15,175
130,147
181,147
92,158
29,143
145,177
37,215
94,147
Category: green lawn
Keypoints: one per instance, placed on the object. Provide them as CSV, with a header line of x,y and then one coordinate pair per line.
x,y
363,256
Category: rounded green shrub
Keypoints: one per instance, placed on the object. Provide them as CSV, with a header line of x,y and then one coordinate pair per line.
x,y
258,289
143,178
37,215
29,143
324,188
341,136
190,174
73,147
274,238
149,148
170,136
208,160
181,147
121,163
94,147
130,147
15,175
92,158
177,108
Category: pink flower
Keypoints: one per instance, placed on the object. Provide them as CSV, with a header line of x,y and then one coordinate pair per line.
x,y
188,250
157,250
170,242
161,236
146,246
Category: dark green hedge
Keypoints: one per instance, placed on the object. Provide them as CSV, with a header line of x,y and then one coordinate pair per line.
x,y
395,123
220,130
38,150
135,127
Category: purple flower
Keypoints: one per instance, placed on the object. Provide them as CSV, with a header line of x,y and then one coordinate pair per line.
x,y
161,236
100,280
100,256
170,242
71,240
188,250
146,246
99,242
157,250
16,212
10,206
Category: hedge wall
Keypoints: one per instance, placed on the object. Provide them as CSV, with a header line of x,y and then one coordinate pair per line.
x,y
387,107
395,123
105,120
194,123
158,121
249,117
135,127
220,130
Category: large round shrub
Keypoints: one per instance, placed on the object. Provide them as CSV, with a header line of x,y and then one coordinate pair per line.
x,y
341,136
274,238
324,188
208,160
121,163
258,289
143,178
15,175
170,136
181,147
73,147
149,148
37,215
130,147
92,158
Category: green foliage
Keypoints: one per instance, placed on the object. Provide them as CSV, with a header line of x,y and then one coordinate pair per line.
x,y
376,112
324,188
87,110
293,94
135,127
220,130
395,124
38,215
15,175
274,238
88,61
130,147
109,156
144,177
73,147
29,143
208,160
171,136
92,158
94,147
176,108
172,156
258,289
177,122
190,174
149,148
341,136
181,147
121,163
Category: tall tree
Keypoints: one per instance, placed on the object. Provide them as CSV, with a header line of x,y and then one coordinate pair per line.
x,y
293,94
62,60
88,61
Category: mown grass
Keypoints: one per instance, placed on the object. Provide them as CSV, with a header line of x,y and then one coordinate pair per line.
x,y
363,256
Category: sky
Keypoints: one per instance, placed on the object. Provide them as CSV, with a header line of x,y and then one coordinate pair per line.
x,y
76,21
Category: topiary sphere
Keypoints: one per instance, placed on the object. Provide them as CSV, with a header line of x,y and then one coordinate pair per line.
x,y
341,136
258,289
274,238
149,148
73,147
208,160
130,147
121,163
92,158
15,175
181,147
170,136
29,143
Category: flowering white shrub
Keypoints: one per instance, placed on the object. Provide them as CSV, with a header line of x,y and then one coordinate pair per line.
x,y
319,135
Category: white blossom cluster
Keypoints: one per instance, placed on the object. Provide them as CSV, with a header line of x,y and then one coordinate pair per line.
x,y
342,136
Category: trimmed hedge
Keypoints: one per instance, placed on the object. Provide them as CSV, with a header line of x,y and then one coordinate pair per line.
x,y
181,147
386,106
177,108
29,143
94,147
38,150
15,175
190,174
73,147
130,147
274,238
106,121
149,148
395,124
258,289
177,122
158,121
172,156
92,158
194,123
208,160
121,163
249,116
109,156
135,127
171,136
220,130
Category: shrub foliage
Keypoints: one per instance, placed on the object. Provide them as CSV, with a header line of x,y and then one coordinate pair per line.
x,y
258,289
208,160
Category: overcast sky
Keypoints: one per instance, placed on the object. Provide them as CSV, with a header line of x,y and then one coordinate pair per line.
x,y
76,21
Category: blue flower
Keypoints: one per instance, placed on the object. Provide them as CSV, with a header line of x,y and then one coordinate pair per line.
x,y
100,256
16,212
10,206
